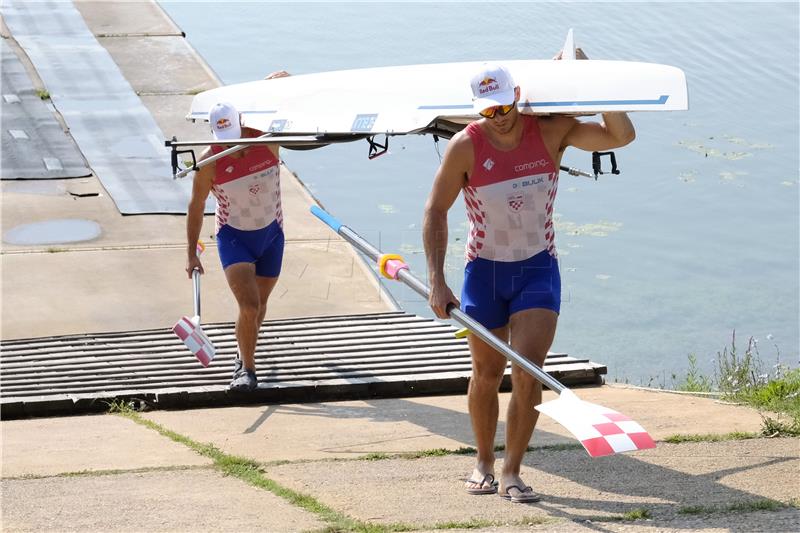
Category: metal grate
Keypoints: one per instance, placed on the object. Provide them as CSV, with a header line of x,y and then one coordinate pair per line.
x,y
307,359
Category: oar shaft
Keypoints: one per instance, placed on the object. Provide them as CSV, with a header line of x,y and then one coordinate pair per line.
x,y
196,286
459,316
213,158
576,172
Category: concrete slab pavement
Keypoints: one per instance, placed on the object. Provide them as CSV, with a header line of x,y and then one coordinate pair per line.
x,y
54,446
343,455
336,430
429,490
197,500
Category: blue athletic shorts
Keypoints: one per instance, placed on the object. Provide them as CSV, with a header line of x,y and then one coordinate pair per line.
x,y
264,247
495,290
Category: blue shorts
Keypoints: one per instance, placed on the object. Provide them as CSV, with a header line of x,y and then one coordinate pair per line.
x,y
495,290
264,247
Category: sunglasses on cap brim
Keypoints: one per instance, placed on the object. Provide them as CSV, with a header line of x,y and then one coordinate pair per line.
x,y
501,110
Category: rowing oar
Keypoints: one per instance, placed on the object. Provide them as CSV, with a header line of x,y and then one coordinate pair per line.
x,y
189,329
601,431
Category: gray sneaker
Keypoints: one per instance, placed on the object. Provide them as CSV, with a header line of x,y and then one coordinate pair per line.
x,y
244,379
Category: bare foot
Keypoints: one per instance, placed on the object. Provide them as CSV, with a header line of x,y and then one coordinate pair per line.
x,y
481,483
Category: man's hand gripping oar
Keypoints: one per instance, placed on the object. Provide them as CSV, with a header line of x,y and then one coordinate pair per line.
x,y
601,431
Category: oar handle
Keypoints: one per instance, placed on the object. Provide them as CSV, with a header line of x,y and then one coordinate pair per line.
x,y
420,288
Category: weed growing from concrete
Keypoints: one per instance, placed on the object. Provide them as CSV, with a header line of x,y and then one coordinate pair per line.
x,y
736,507
741,379
636,514
630,516
736,435
695,381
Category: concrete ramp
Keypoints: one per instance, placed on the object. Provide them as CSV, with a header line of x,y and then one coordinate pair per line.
x,y
34,145
298,360
116,133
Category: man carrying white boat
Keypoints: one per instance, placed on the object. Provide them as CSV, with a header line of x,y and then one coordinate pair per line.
x,y
249,228
506,164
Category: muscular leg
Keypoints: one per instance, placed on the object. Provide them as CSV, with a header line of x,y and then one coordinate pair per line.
x,y
532,332
265,286
488,368
242,281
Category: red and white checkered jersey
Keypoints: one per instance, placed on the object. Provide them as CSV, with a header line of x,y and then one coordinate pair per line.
x,y
510,197
247,189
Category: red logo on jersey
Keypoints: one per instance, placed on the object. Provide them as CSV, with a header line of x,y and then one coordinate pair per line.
x,y
516,201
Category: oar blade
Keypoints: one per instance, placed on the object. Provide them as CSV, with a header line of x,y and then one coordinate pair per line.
x,y
195,339
601,431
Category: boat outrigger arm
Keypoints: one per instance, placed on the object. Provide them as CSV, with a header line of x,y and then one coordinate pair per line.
x,y
309,142
295,142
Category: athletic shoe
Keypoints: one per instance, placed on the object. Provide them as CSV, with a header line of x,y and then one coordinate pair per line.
x,y
244,379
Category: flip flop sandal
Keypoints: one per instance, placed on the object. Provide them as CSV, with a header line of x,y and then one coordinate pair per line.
x,y
481,489
525,495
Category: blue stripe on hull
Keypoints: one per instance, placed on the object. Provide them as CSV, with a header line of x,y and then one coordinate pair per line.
x,y
660,101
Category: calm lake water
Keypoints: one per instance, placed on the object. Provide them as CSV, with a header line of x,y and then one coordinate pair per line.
x,y
697,237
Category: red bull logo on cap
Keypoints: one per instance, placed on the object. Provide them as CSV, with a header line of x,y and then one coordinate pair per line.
x,y
223,123
488,85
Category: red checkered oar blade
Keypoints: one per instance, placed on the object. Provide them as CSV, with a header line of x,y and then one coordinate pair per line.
x,y
195,339
601,431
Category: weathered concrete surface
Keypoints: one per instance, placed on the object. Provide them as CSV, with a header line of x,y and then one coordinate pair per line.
x,y
131,276
429,491
318,440
356,428
52,446
756,522
140,287
195,500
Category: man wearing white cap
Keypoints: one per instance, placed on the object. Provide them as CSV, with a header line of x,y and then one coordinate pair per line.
x,y
506,164
249,227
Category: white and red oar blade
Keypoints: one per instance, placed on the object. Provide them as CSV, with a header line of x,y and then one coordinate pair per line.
x,y
190,332
601,431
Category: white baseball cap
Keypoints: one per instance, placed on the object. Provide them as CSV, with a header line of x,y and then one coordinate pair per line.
x,y
224,119
492,86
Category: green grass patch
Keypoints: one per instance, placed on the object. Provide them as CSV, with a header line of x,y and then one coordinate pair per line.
x,y
466,524
758,505
740,378
110,472
630,516
695,381
443,452
708,437
736,507
693,510
636,514
480,524
782,426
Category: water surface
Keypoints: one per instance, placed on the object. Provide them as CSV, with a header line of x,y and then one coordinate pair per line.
x,y
696,238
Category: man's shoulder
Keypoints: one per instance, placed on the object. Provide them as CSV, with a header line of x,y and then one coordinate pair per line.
x,y
556,124
461,139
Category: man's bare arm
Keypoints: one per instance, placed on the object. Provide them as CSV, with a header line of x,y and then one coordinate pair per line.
x,y
615,131
201,186
449,180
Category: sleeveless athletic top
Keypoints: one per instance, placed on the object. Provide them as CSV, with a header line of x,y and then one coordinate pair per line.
x,y
247,189
510,196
